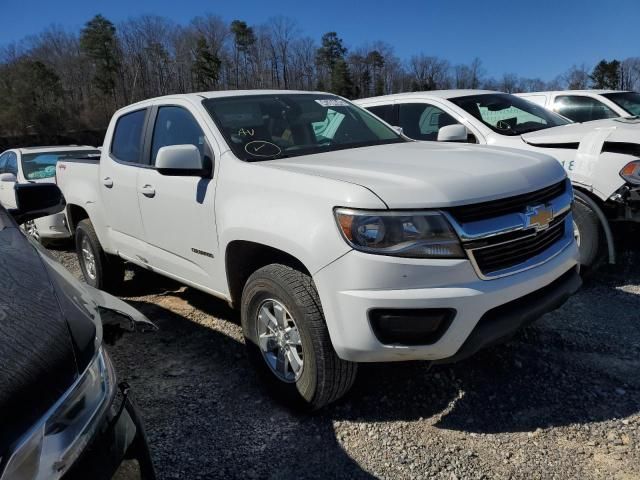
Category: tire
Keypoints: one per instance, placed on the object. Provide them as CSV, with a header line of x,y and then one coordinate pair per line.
x,y
589,234
323,377
107,272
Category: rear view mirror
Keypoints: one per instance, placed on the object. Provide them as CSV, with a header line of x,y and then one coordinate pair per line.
x,y
8,177
36,200
453,133
181,160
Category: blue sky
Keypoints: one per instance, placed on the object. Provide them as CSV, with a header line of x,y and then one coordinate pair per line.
x,y
536,38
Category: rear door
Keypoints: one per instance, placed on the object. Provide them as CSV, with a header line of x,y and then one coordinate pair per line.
x,y
178,211
118,178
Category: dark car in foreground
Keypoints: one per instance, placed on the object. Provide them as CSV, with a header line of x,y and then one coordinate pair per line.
x,y
63,413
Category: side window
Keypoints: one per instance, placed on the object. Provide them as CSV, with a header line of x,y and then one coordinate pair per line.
x,y
176,126
127,137
421,121
385,112
3,161
12,164
582,109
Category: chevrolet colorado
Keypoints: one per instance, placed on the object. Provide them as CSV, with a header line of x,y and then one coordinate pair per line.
x,y
340,240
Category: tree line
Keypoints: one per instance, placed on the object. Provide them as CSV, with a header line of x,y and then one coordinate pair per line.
x,y
65,84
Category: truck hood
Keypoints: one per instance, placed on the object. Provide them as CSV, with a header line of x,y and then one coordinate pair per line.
x,y
623,130
430,174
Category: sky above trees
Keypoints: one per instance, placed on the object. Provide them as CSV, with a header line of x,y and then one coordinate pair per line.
x,y
63,80
530,39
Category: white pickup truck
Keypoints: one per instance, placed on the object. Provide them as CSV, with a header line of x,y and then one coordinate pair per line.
x,y
339,240
37,165
601,157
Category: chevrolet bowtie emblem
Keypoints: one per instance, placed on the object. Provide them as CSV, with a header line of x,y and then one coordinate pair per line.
x,y
539,217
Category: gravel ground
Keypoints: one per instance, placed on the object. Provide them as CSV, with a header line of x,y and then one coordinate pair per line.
x,y
562,400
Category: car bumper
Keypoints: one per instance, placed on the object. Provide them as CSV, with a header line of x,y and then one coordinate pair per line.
x,y
53,227
357,284
119,449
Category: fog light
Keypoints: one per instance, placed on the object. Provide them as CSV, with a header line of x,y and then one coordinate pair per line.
x,y
423,326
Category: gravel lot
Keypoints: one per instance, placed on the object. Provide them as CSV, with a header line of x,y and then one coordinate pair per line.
x,y
561,401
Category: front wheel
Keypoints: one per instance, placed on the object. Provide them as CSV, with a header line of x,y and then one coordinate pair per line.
x,y
588,234
100,269
287,339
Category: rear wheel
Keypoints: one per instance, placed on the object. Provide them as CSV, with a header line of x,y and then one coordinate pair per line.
x,y
588,233
100,269
287,339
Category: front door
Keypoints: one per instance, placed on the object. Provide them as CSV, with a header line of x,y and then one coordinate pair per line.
x,y
178,212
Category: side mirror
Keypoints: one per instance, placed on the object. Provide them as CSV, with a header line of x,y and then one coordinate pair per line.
x,y
453,133
398,130
181,160
8,178
36,200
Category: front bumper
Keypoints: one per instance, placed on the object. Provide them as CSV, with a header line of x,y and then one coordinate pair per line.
x,y
53,227
119,448
358,283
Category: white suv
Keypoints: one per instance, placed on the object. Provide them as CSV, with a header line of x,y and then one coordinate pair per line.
x,y
588,105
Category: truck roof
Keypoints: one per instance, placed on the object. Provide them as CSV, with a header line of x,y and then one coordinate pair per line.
x,y
555,92
434,94
198,96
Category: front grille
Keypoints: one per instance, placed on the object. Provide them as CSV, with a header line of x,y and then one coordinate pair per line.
x,y
519,203
514,252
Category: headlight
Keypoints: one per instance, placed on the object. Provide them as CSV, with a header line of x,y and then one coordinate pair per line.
x,y
418,234
631,172
51,447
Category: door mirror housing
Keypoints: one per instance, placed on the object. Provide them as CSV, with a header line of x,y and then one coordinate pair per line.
x,y
182,161
36,200
453,133
8,178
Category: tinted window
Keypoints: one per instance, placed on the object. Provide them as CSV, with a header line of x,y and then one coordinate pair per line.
x,y
266,127
582,109
12,164
3,161
385,112
630,101
43,165
127,138
422,121
507,114
175,126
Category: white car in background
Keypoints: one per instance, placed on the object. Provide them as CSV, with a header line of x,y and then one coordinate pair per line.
x,y
587,105
601,157
37,165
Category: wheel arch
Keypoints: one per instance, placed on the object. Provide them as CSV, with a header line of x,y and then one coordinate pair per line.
x,y
243,257
592,201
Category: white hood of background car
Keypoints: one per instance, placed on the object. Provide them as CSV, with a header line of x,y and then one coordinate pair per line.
x,y
432,175
616,129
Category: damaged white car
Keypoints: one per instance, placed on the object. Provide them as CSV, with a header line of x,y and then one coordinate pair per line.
x,y
602,157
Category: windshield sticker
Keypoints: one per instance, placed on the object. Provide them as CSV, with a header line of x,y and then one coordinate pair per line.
x,y
247,132
262,149
332,102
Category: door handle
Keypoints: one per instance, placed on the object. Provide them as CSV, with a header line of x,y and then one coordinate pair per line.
x,y
107,182
148,191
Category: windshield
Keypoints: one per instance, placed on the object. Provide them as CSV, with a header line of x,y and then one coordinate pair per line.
x,y
508,114
630,101
37,166
267,127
